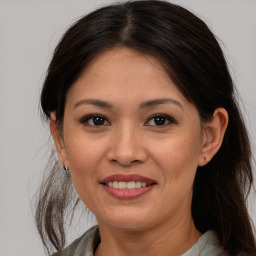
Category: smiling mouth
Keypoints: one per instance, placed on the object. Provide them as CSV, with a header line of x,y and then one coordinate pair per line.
x,y
127,185
127,182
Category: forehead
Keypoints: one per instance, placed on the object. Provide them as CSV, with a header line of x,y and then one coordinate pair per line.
x,y
122,73
122,62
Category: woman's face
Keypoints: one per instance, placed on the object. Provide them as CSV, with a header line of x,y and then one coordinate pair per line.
x,y
132,141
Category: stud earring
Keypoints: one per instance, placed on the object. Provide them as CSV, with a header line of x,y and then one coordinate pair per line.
x,y
65,167
205,159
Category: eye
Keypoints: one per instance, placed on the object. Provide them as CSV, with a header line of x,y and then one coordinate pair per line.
x,y
95,120
160,120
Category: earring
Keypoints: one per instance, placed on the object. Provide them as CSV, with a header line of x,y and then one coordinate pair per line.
x,y
65,167
205,159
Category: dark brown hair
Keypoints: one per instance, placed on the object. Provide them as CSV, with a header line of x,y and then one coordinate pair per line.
x,y
193,59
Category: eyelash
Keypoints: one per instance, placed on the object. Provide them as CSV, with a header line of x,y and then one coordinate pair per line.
x,y
168,118
85,120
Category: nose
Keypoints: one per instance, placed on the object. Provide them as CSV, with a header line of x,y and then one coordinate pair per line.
x,y
126,146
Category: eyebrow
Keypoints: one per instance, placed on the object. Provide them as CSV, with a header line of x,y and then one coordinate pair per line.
x,y
155,102
95,102
146,104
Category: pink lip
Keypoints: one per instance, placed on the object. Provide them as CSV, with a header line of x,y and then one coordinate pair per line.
x,y
125,194
127,178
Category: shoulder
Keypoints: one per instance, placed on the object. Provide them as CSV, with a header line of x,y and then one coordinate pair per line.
x,y
207,245
84,245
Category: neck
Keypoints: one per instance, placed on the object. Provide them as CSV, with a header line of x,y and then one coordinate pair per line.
x,y
161,240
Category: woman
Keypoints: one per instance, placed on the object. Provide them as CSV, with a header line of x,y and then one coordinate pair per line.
x,y
145,122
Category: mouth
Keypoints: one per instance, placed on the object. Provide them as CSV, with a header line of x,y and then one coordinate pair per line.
x,y
127,186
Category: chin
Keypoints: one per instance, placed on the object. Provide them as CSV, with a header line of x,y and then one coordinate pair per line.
x,y
129,221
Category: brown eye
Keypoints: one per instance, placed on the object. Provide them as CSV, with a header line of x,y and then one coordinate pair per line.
x,y
98,120
95,120
160,120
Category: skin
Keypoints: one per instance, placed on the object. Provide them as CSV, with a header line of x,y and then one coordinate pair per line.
x,y
129,141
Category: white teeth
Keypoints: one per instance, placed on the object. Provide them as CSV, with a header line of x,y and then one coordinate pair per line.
x,y
126,185
121,185
115,184
138,184
131,185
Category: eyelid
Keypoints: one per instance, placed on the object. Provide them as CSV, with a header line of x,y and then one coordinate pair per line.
x,y
168,117
84,120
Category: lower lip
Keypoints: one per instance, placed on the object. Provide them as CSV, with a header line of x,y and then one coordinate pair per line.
x,y
126,194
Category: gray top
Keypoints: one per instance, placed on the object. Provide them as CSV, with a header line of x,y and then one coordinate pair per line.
x,y
207,245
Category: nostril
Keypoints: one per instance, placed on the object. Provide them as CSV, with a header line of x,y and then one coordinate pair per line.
x,y
126,154
125,162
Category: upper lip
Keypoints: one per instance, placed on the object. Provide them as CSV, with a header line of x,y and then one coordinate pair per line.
x,y
127,178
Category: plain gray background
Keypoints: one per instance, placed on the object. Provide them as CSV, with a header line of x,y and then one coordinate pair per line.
x,y
29,31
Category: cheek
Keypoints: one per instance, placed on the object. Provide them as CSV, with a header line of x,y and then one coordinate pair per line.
x,y
85,163
177,157
84,158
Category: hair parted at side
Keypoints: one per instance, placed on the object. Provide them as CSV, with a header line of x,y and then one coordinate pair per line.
x,y
193,59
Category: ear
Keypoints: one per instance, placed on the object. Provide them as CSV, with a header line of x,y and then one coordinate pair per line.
x,y
213,134
58,140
